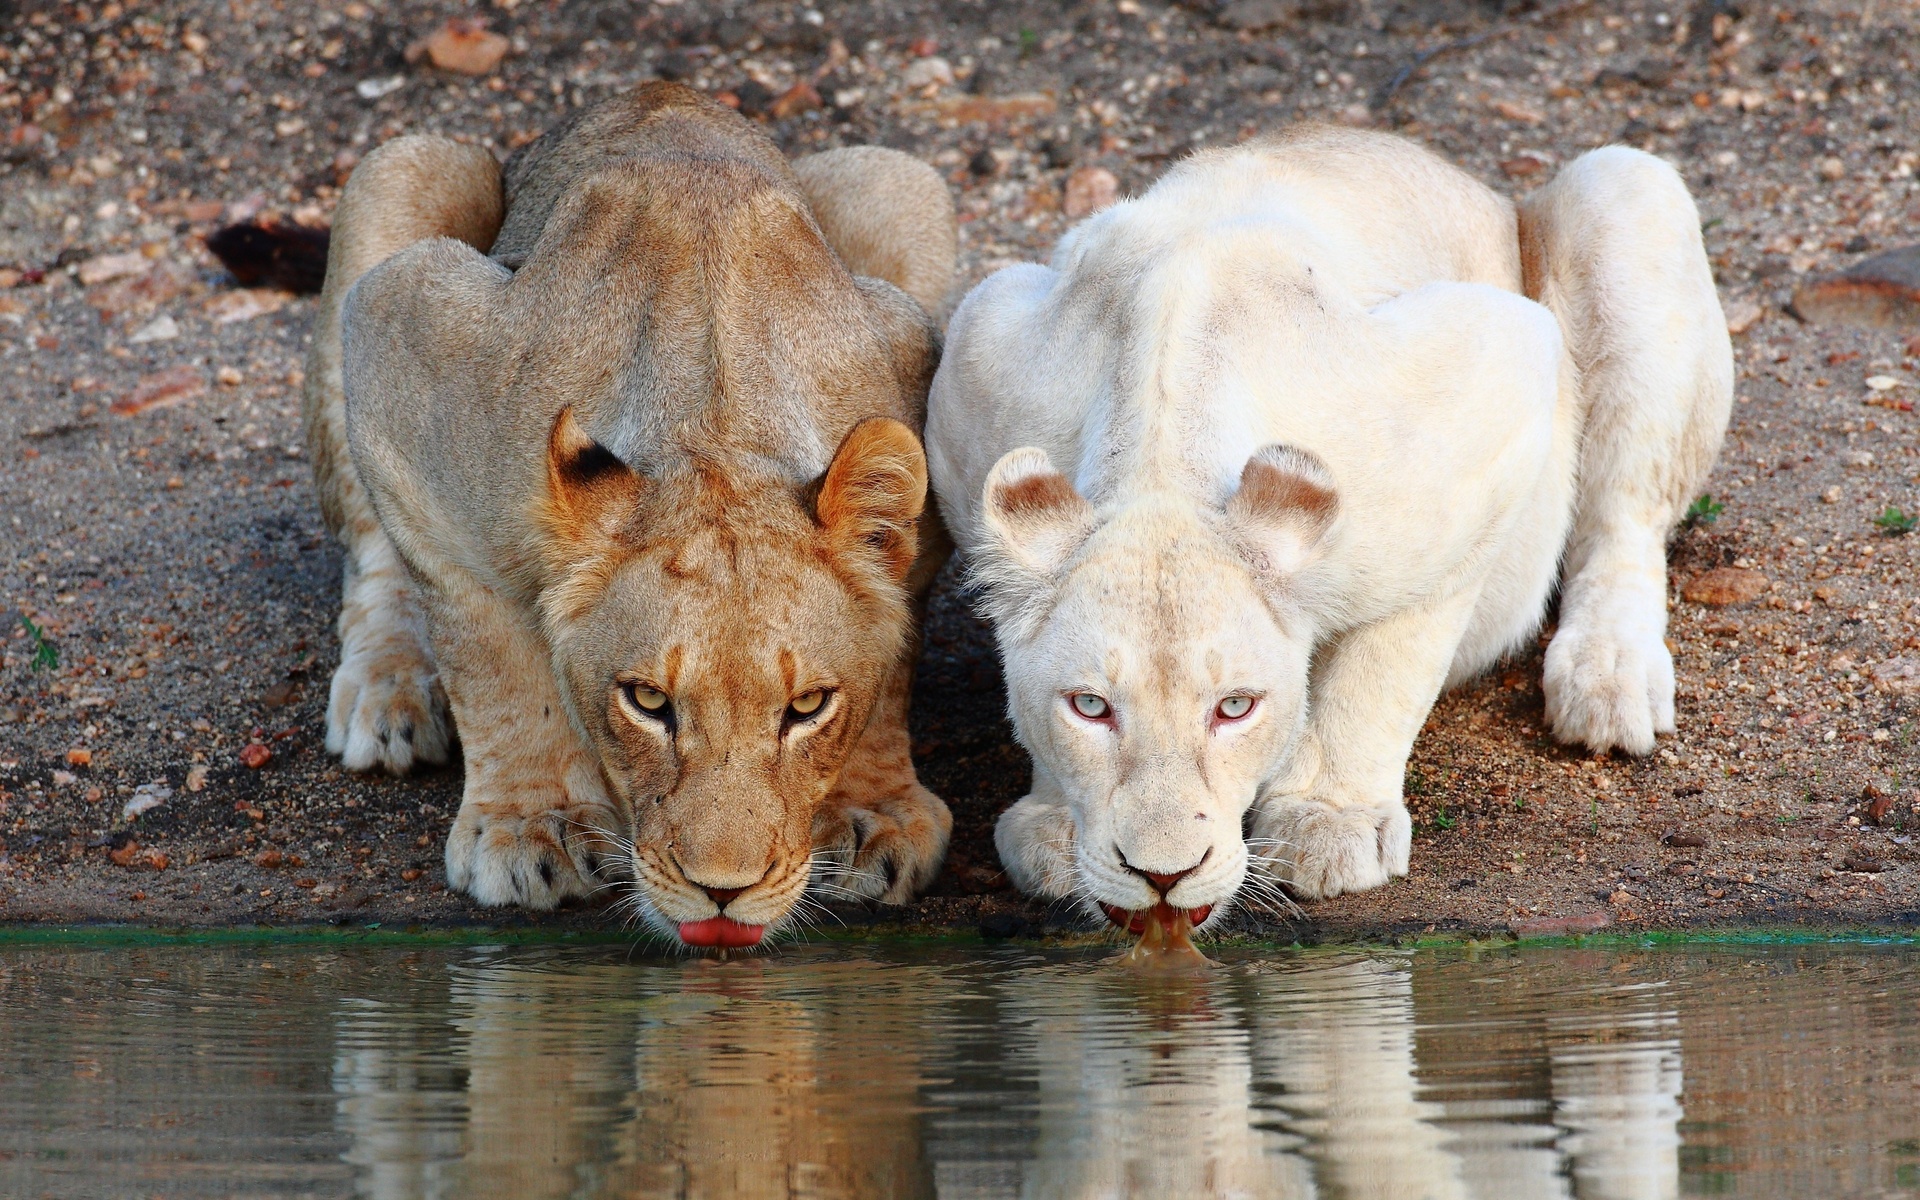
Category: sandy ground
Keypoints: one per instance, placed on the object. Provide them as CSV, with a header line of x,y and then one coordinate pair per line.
x,y
157,523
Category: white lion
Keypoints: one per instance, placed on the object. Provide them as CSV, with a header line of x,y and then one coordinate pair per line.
x,y
1276,452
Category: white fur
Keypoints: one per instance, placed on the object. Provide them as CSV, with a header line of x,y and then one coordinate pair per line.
x,y
1287,427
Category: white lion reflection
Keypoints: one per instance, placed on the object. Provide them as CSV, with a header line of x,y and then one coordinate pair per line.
x,y
831,1075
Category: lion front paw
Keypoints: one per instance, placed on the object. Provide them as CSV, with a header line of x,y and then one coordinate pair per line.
x,y
887,849
522,852
1609,684
387,708
1318,850
1035,841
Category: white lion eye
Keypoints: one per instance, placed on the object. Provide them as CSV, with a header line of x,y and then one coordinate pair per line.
x,y
1090,706
1234,707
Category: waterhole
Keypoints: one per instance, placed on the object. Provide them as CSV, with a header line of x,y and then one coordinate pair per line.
x,y
957,1071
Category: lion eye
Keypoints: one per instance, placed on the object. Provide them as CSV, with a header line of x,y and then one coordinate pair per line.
x,y
1234,707
1090,706
808,704
649,700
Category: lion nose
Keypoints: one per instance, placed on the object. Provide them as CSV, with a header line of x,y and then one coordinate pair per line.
x,y
722,896
1164,881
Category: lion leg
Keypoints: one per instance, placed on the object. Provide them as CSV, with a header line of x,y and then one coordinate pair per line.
x,y
536,825
1612,247
1337,820
887,214
883,834
386,708
1035,840
886,832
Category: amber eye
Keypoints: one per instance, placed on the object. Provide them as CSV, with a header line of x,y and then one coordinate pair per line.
x,y
648,700
1234,707
806,705
1090,706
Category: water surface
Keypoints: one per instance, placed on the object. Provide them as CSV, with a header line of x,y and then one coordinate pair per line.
x,y
962,1071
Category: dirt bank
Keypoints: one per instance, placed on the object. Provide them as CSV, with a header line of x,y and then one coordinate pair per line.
x,y
160,531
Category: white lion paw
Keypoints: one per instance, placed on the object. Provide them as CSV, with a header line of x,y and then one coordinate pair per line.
x,y
387,708
1035,841
519,853
1318,850
1609,684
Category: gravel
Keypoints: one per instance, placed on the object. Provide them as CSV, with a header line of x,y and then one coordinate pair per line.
x,y
160,534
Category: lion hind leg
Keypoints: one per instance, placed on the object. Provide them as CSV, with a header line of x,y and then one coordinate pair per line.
x,y
889,216
386,708
1613,248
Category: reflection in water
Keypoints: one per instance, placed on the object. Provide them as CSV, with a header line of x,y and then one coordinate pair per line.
x,y
482,1073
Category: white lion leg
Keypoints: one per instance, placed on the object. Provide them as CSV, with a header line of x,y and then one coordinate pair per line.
x,y
1612,247
1336,821
1035,840
386,708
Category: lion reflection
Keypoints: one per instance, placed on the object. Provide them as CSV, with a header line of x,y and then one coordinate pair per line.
x,y
822,1074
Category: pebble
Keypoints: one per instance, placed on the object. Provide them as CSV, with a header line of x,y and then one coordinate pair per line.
x,y
255,756
1743,315
1882,292
1898,676
464,45
244,304
1725,586
162,389
933,71
112,266
162,328
1088,190
145,798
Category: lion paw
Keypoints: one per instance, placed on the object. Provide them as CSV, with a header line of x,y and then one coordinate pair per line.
x,y
387,709
887,850
1318,850
1035,843
1609,684
520,853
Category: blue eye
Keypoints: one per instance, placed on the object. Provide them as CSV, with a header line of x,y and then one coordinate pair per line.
x,y
1234,707
1090,706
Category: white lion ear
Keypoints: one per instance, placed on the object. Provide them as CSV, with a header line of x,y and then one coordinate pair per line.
x,y
1032,513
1284,509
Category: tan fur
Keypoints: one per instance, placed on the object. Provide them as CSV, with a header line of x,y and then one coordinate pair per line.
x,y
663,437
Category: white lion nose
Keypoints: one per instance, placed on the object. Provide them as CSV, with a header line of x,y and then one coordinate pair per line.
x,y
1164,881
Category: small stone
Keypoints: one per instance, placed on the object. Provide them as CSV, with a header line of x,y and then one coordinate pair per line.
x,y
1832,495
373,89
268,860
411,874
1088,190
161,329
281,694
1864,863
799,98
244,304
1518,112
927,72
112,266
464,45
229,377
1725,586
145,798
255,756
1882,292
162,389
78,757
1898,676
1522,166
65,779
925,47
1682,839
1884,383
196,778
1252,16
1743,315
1832,168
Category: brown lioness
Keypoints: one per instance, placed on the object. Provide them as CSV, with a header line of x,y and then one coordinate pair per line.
x,y
646,477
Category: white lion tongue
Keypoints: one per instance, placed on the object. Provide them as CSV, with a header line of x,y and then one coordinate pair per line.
x,y
1166,941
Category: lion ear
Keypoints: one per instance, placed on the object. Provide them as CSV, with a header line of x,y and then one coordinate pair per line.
x,y
874,492
589,491
1284,510
1032,514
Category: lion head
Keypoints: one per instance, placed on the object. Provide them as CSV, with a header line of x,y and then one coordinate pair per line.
x,y
720,640
1156,670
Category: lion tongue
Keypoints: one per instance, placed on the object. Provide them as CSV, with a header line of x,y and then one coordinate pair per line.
x,y
1135,923
720,932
